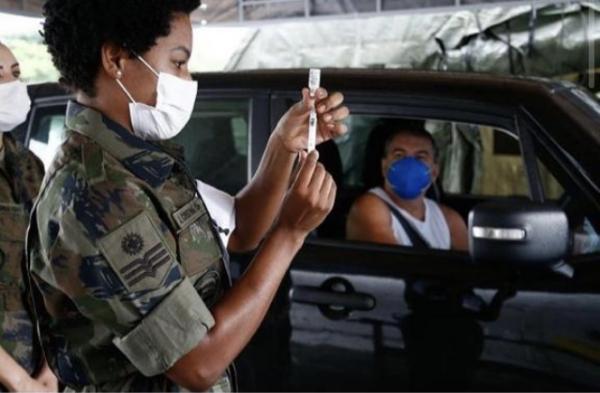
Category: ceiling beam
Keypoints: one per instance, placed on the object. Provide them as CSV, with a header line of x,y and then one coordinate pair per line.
x,y
22,7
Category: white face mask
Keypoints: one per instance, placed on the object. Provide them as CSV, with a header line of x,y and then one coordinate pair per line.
x,y
174,107
14,105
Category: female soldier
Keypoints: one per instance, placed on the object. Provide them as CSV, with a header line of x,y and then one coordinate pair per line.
x,y
133,278
20,177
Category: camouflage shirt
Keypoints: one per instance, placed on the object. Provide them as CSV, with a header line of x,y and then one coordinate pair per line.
x,y
125,260
20,178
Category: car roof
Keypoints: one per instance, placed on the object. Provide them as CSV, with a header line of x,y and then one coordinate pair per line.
x,y
572,111
371,79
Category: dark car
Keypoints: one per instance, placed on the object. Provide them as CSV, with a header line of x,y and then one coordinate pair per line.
x,y
516,155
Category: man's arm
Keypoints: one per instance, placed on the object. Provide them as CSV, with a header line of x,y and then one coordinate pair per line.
x,y
459,235
258,204
370,221
16,379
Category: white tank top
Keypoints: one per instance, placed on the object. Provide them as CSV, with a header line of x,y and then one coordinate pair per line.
x,y
434,229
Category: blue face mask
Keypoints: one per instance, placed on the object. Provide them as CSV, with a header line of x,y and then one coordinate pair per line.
x,y
409,177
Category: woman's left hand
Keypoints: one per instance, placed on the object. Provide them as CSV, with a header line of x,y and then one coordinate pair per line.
x,y
292,129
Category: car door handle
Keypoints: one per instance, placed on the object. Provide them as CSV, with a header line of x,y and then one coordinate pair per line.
x,y
320,297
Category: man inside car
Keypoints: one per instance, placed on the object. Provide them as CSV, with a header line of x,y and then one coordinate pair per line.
x,y
397,211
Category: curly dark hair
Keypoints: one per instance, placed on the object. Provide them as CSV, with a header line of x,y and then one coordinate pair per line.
x,y
75,31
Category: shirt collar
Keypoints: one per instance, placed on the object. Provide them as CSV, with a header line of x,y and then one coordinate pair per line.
x,y
145,160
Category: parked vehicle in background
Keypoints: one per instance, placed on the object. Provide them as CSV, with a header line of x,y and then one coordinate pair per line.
x,y
530,319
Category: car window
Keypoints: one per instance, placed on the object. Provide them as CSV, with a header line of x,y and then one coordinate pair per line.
x,y
479,160
223,125
47,132
476,163
586,235
474,159
553,190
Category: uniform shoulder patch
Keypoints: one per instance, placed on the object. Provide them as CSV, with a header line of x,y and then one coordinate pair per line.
x,y
138,254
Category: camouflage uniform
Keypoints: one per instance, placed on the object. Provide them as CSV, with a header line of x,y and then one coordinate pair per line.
x,y
20,178
125,260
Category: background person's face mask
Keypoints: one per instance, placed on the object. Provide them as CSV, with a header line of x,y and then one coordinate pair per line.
x,y
409,177
14,105
174,107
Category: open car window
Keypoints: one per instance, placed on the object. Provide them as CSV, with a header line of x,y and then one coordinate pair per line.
x,y
474,159
476,163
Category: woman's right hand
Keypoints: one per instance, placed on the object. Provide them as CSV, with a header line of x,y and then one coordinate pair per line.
x,y
310,198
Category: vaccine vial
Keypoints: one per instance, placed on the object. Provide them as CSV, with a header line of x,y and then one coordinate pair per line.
x,y
314,82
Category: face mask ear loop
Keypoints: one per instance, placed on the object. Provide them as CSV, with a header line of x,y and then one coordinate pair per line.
x,y
147,65
125,90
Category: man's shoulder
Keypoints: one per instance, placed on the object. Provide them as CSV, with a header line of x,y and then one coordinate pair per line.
x,y
369,206
369,200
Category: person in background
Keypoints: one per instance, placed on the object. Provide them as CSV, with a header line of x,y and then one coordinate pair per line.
x,y
22,366
407,165
443,341
130,265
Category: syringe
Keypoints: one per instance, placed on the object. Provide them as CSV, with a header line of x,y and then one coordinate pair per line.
x,y
314,82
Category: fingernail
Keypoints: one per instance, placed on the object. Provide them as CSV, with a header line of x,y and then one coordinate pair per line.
x,y
315,155
322,108
327,118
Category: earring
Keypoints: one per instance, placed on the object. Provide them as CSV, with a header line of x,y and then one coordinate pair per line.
x,y
119,74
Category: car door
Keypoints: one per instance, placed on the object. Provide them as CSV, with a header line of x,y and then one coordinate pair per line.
x,y
348,312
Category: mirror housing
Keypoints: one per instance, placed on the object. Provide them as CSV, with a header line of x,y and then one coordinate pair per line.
x,y
519,233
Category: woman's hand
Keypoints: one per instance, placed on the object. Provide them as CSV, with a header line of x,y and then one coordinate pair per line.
x,y
309,200
292,129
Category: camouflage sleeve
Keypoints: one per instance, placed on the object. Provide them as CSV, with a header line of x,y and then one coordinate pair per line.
x,y
105,247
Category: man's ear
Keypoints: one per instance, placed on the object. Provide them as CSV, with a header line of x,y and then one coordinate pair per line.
x,y
114,59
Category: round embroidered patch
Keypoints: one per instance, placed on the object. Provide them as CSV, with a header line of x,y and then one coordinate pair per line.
x,y
132,244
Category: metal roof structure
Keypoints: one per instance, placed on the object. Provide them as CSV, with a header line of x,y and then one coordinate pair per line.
x,y
268,11
22,7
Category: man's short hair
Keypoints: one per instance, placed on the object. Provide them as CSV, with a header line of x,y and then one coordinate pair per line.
x,y
416,128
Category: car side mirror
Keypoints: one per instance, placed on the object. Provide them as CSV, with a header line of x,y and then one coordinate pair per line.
x,y
519,233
